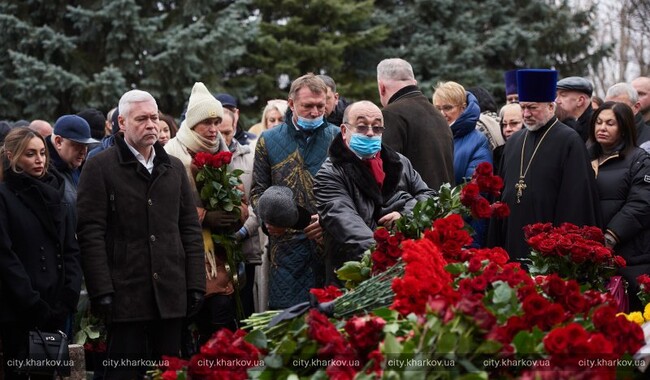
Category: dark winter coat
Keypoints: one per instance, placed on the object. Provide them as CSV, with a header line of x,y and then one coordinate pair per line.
x,y
624,189
139,234
40,272
416,129
350,202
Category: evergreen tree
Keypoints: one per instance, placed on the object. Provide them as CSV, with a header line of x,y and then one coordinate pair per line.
x,y
297,37
474,43
63,56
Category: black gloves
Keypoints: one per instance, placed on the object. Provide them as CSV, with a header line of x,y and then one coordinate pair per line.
x,y
194,302
102,308
222,220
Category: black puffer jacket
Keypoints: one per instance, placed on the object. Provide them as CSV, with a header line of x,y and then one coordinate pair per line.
x,y
350,202
624,189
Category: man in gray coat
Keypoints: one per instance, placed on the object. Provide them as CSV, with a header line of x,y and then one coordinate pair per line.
x,y
361,186
140,240
414,127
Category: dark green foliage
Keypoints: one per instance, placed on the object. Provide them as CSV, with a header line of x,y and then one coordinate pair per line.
x,y
475,42
62,56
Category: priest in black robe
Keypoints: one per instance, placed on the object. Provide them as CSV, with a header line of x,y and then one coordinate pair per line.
x,y
545,169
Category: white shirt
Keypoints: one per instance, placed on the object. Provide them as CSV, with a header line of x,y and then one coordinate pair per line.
x,y
147,164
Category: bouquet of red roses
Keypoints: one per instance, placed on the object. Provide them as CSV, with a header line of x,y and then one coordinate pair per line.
x,y
219,188
571,252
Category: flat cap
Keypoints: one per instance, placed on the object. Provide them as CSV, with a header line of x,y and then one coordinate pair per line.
x,y
576,84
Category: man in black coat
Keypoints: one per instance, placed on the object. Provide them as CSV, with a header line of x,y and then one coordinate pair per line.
x,y
140,240
361,186
545,168
574,98
414,127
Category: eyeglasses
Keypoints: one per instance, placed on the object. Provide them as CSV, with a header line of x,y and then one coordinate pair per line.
x,y
363,129
512,124
445,108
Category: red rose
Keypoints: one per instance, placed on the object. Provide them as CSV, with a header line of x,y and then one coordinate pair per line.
x,y
496,184
381,234
475,264
643,279
556,341
326,294
603,316
169,375
547,247
536,229
500,210
365,332
469,193
201,158
593,233
483,169
481,208
619,262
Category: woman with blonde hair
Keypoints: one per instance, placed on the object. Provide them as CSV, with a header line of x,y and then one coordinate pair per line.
x,y
272,115
40,271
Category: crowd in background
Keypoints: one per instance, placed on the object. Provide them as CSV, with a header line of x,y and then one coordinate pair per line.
x,y
113,198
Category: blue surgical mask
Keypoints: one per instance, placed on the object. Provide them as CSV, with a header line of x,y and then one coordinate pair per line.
x,y
364,146
309,124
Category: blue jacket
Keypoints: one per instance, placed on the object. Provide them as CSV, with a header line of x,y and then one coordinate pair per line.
x,y
471,147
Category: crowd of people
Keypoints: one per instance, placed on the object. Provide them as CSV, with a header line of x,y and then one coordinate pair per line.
x,y
113,201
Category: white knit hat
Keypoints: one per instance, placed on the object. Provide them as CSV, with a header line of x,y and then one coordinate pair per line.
x,y
202,105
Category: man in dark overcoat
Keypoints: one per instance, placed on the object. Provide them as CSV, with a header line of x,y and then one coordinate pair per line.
x,y
414,127
140,240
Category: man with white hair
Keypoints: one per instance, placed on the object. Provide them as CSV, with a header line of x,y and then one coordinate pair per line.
x,y
414,127
627,94
140,240
545,168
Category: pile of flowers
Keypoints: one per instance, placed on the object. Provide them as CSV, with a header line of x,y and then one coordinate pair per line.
x,y
572,252
449,311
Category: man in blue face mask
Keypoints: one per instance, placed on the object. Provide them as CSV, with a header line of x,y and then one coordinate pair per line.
x,y
290,155
361,186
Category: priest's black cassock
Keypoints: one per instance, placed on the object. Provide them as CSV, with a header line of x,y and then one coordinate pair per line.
x,y
560,185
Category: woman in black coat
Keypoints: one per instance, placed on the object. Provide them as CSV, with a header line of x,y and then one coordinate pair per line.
x,y
40,273
623,177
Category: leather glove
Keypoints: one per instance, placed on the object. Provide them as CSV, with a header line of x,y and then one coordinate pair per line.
x,y
222,220
194,302
102,308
